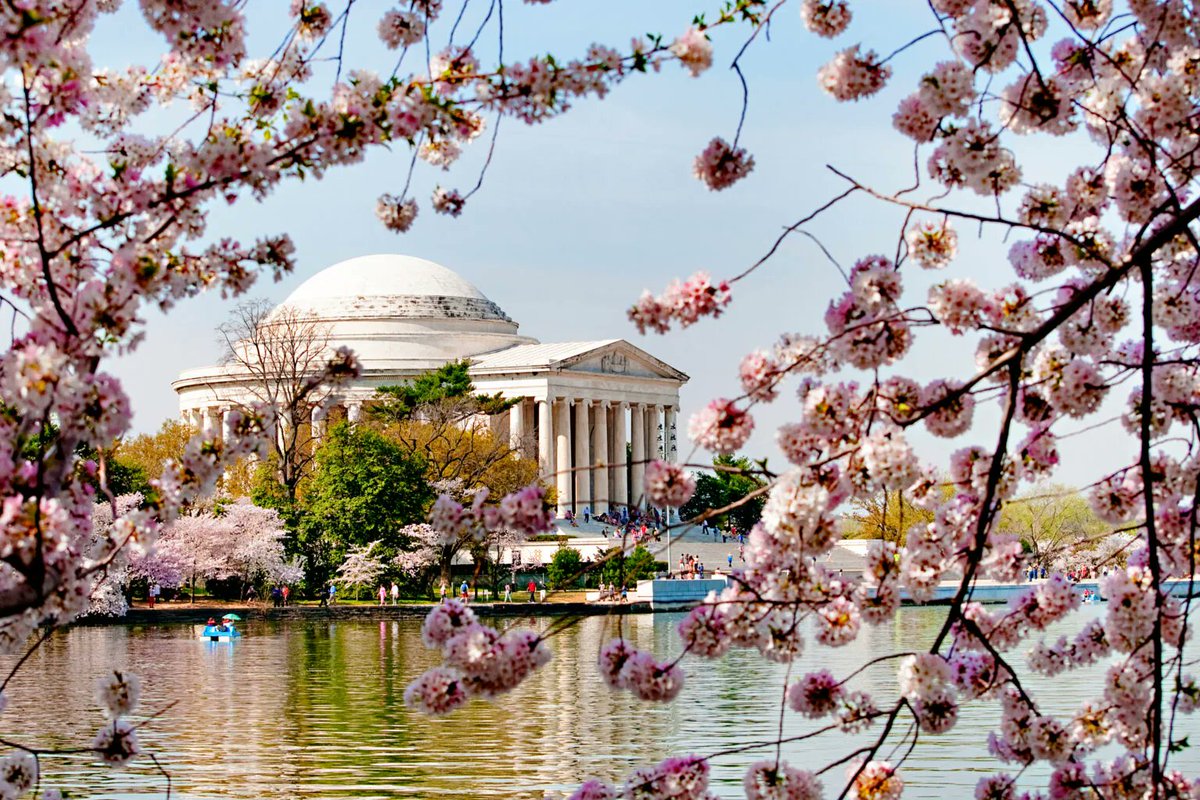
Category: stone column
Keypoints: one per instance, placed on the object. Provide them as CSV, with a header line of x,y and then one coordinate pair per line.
x,y
672,453
562,460
516,427
226,426
637,420
652,432
620,487
583,461
545,439
600,458
316,421
353,412
210,426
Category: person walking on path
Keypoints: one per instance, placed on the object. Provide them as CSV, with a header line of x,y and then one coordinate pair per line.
x,y
332,593
532,590
542,593
285,593
508,592
395,593
443,591
463,591
382,594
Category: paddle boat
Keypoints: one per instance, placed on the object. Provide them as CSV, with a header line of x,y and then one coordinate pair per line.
x,y
225,632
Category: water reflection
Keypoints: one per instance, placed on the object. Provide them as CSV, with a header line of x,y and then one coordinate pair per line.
x,y
316,710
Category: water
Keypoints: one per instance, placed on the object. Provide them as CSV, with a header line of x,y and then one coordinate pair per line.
x,y
315,710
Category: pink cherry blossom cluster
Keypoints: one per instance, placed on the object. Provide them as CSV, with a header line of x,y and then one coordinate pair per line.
x,y
117,694
693,50
668,484
479,661
827,18
623,666
676,778
683,302
721,165
524,510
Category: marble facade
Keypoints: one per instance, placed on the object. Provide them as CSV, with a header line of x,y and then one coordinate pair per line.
x,y
581,406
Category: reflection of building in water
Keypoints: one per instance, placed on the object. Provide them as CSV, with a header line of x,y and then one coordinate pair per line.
x,y
579,403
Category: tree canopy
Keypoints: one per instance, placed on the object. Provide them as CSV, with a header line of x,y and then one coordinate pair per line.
x,y
733,478
365,488
449,382
1056,526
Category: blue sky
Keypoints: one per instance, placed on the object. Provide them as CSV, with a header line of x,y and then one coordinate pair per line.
x,y
580,214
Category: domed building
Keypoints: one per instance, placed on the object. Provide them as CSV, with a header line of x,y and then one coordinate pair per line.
x,y
579,402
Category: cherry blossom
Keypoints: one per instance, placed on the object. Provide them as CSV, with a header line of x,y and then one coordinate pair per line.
x,y
693,50
668,484
851,76
721,427
720,164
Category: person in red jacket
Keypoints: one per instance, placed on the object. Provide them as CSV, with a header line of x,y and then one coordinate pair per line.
x,y
532,590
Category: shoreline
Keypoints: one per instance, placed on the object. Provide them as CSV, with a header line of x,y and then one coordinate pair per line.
x,y
196,615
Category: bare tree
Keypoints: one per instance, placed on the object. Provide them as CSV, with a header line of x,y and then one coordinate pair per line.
x,y
285,359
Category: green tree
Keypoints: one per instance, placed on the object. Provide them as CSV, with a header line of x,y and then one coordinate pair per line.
x,y
449,382
626,570
565,568
1056,525
365,488
733,478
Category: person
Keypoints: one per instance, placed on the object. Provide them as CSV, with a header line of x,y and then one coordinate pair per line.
x,y
152,593
276,596
532,590
624,594
443,591
251,594
286,592
395,593
382,594
332,593
324,597
730,559
462,590
508,592
542,594
587,514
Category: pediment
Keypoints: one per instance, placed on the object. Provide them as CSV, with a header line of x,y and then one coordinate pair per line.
x,y
621,358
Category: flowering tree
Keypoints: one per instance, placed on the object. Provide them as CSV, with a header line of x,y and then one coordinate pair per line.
x,y
362,567
106,208
236,540
1104,292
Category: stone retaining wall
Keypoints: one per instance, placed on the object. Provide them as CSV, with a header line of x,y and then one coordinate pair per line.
x,y
174,614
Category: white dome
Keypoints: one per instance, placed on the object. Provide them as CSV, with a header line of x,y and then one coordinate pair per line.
x,y
391,287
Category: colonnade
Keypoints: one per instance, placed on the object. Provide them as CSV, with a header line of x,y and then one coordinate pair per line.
x,y
213,420
582,443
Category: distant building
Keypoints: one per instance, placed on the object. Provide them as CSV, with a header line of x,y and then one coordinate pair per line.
x,y
580,402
